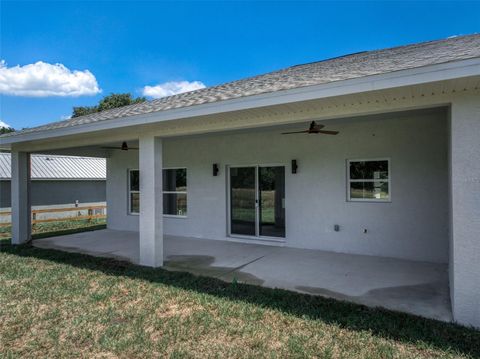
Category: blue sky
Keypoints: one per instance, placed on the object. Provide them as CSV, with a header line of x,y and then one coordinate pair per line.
x,y
126,46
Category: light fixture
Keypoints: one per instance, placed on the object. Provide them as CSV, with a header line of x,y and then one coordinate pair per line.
x,y
215,169
294,166
124,146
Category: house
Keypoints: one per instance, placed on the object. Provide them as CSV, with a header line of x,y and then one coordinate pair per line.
x,y
58,180
401,179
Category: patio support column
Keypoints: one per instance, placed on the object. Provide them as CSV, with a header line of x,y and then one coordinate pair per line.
x,y
20,187
465,210
151,201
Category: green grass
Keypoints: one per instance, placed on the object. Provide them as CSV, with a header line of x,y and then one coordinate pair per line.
x,y
62,232
59,228
55,304
248,215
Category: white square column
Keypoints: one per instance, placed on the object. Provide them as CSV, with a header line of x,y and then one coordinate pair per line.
x,y
151,201
465,210
20,186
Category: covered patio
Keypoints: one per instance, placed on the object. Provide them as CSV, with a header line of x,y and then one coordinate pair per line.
x,y
415,287
395,190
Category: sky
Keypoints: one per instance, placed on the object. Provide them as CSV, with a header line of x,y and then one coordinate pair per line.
x,y
56,55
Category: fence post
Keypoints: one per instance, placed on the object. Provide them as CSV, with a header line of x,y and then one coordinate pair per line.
x,y
34,218
93,213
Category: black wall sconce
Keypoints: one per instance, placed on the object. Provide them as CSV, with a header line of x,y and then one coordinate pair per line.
x,y
294,166
215,169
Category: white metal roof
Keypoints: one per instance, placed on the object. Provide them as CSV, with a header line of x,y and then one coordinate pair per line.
x,y
59,167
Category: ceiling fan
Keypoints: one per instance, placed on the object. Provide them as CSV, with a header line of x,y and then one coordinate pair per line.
x,y
313,128
123,147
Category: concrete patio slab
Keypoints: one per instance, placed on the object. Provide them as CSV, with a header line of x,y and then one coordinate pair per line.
x,y
122,245
419,288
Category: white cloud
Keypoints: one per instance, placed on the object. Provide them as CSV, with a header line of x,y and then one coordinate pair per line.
x,y
171,88
65,117
4,124
42,79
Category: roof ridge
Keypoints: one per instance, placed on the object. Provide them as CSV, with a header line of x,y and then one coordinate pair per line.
x,y
385,49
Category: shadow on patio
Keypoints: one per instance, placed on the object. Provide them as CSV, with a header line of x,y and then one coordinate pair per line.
x,y
418,288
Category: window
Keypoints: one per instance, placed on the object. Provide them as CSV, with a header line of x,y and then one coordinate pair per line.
x,y
369,180
133,192
175,192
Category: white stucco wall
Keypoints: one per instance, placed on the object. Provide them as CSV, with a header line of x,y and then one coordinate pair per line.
x,y
117,186
465,233
414,225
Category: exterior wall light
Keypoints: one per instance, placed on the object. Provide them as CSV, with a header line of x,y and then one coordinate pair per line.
x,y
215,169
294,166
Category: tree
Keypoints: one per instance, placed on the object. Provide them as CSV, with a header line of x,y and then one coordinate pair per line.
x,y
113,100
4,130
84,110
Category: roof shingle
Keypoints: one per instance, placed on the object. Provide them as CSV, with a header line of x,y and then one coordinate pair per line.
x,y
340,68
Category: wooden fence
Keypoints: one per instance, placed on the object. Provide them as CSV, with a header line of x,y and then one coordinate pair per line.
x,y
92,213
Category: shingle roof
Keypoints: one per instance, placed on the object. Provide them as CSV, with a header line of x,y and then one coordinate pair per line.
x,y
341,68
59,167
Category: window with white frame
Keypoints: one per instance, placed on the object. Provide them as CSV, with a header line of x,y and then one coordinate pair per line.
x,y
369,180
175,192
133,192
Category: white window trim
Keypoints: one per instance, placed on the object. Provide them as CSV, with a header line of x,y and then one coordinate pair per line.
x,y
389,180
129,193
176,192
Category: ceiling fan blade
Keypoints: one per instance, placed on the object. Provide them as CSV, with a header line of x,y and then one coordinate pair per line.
x,y
325,132
290,133
119,148
318,127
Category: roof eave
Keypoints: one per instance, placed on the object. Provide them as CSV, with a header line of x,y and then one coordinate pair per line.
x,y
415,76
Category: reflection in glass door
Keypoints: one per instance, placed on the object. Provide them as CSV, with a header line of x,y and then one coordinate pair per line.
x,y
257,201
272,201
243,199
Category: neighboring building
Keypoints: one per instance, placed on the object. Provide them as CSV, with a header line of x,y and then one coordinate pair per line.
x,y
401,179
58,180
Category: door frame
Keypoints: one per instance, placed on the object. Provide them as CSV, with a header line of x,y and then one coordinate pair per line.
x,y
257,206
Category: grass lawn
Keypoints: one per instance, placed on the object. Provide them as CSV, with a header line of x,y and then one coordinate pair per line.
x,y
55,304
58,228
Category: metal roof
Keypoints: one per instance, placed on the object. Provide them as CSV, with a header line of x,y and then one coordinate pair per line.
x,y
352,66
59,167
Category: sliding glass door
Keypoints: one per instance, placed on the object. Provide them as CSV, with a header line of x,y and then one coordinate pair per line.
x,y
257,201
243,200
271,187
